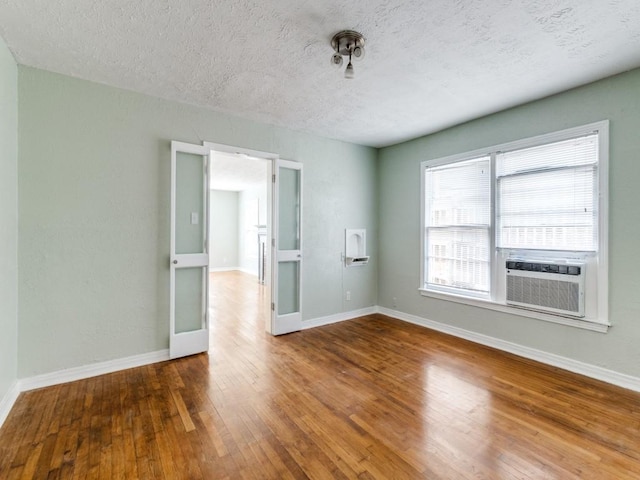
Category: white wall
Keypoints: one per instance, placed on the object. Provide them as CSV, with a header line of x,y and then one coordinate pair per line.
x,y
8,225
252,212
223,230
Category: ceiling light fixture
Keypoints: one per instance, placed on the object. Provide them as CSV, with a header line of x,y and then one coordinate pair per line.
x,y
347,43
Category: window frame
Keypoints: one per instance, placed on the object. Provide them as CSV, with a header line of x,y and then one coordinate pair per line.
x,y
596,318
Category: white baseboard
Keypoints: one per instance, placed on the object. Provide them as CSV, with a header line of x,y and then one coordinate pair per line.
x,y
6,403
92,370
87,371
248,270
234,269
110,366
593,371
338,317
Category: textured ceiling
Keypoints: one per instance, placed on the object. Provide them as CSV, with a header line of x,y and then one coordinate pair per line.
x,y
428,64
237,172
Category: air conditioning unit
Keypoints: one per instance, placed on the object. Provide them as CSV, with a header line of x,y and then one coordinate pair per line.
x,y
549,287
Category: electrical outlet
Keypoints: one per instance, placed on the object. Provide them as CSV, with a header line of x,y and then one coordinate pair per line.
x,y
348,295
395,302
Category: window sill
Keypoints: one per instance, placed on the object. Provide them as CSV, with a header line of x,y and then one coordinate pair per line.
x,y
499,307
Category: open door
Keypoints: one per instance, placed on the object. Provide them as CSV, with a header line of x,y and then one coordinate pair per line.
x,y
286,308
189,255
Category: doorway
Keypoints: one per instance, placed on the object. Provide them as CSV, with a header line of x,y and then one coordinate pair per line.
x,y
239,226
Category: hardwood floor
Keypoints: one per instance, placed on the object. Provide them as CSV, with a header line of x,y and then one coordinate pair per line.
x,y
371,398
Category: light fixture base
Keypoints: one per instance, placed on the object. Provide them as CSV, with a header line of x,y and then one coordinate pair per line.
x,y
346,41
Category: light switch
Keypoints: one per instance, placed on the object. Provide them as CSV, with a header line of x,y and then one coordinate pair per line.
x,y
194,218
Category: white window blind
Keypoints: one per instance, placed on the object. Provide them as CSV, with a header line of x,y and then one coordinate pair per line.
x,y
458,220
547,196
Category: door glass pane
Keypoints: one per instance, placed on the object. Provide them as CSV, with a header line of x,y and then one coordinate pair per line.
x,y
190,221
288,287
189,299
289,210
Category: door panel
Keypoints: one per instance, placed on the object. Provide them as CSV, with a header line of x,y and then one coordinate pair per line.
x,y
288,286
189,202
287,258
189,258
289,209
189,294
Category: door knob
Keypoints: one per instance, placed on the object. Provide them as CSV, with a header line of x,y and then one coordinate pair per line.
x,y
175,262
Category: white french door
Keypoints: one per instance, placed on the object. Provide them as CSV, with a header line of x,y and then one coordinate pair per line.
x,y
286,308
189,255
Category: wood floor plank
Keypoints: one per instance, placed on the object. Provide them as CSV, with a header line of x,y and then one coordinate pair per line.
x,y
370,398
31,465
182,411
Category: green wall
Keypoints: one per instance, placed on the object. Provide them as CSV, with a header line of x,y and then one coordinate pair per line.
x,y
8,220
617,99
93,185
94,216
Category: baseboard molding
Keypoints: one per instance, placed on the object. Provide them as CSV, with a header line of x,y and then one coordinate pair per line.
x,y
575,366
338,317
7,402
87,371
110,366
248,270
234,269
92,370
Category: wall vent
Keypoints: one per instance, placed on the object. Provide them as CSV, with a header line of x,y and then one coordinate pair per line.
x,y
549,287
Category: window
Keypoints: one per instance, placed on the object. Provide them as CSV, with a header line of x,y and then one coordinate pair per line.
x,y
542,199
548,197
459,209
